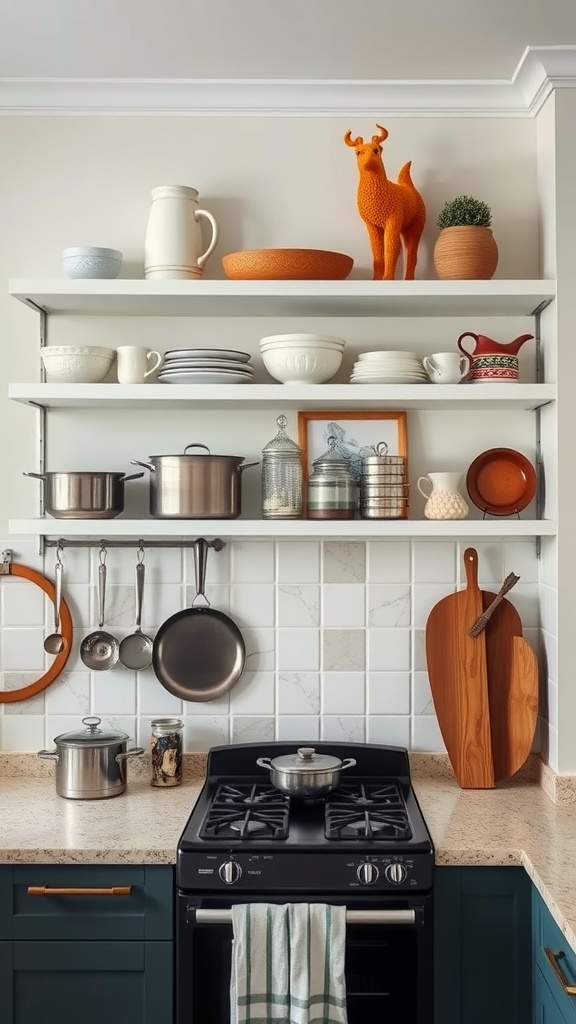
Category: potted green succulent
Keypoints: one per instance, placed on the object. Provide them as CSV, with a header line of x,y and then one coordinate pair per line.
x,y
465,248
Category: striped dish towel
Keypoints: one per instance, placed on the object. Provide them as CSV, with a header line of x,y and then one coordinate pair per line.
x,y
288,964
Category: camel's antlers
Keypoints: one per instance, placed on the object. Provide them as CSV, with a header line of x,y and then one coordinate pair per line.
x,y
383,134
353,142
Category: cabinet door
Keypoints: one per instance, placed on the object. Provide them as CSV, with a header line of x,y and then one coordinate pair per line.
x,y
482,946
546,1009
91,982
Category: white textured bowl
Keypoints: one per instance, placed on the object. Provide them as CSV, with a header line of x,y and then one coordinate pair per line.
x,y
302,365
91,261
67,364
306,340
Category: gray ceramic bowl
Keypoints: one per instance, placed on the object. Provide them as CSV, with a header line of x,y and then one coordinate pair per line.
x,y
89,261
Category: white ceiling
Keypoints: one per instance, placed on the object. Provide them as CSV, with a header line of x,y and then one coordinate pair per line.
x,y
304,39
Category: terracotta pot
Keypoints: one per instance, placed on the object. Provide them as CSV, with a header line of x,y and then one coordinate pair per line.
x,y
465,253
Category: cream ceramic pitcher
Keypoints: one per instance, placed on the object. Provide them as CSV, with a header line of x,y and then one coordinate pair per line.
x,y
173,248
444,500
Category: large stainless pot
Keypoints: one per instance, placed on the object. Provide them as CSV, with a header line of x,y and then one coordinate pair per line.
x,y
305,773
90,763
84,495
195,486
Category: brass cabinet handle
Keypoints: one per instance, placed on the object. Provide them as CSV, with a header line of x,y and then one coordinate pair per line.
x,y
553,957
45,890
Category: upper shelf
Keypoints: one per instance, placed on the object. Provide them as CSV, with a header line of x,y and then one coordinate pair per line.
x,y
285,298
284,396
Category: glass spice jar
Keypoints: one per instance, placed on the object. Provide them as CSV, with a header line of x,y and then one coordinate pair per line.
x,y
281,476
166,743
332,488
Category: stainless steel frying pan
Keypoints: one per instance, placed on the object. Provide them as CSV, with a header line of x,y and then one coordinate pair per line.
x,y
199,653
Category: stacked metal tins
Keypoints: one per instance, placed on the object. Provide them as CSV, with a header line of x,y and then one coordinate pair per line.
x,y
383,484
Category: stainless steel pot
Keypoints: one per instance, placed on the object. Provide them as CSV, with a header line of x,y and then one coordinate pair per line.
x,y
305,773
84,495
195,486
90,763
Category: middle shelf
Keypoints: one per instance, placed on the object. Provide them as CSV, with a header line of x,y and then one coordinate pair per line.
x,y
284,396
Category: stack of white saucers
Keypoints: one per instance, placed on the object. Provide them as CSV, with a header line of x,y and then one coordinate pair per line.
x,y
388,368
206,366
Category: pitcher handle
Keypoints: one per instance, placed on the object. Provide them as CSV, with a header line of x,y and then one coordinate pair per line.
x,y
469,355
422,492
215,233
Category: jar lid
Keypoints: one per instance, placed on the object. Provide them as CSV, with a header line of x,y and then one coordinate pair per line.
x,y
167,723
306,759
91,736
332,459
282,444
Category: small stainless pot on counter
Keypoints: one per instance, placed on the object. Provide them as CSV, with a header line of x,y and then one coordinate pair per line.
x,y
90,763
305,773
84,495
195,486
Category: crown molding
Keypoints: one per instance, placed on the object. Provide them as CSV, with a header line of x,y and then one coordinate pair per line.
x,y
540,70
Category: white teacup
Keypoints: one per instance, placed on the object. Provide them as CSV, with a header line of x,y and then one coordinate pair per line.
x,y
133,366
446,367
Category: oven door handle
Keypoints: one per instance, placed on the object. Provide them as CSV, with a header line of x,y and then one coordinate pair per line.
x,y
352,916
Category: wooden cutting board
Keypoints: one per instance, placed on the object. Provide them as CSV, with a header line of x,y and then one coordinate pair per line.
x,y
457,668
513,707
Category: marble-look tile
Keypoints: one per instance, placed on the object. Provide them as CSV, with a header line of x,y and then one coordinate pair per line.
x,y
114,692
260,649
119,606
203,733
298,605
392,729
69,694
298,728
389,605
389,693
343,693
388,649
344,562
32,705
298,562
254,694
298,693
422,703
389,561
298,649
343,604
247,729
252,604
344,728
344,650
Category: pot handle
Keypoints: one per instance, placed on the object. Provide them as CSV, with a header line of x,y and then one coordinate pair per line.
x,y
37,476
131,476
48,755
146,465
348,762
247,465
264,762
133,752
205,447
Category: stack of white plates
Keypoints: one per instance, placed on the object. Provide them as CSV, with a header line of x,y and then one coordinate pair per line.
x,y
206,366
388,368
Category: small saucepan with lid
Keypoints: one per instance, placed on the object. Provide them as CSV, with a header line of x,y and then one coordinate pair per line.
x,y
305,773
91,762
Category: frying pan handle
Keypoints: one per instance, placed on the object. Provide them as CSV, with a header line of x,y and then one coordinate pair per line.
x,y
200,561
471,566
101,594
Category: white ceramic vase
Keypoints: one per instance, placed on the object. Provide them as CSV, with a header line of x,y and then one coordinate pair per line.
x,y
444,500
173,248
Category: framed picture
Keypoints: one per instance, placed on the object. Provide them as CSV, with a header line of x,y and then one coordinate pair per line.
x,y
354,431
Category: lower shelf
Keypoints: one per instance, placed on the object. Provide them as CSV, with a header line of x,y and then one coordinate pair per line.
x,y
298,529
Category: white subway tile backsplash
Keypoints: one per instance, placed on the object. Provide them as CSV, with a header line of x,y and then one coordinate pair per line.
x,y
519,557
153,699
389,605
526,600
32,705
298,728
22,604
203,733
246,729
344,650
425,596
389,693
343,693
23,650
77,597
69,694
393,729
252,604
203,708
389,562
344,728
298,605
388,649
260,649
114,692
344,562
22,732
419,663
298,693
119,609
298,649
254,694
253,562
426,734
162,565
298,562
343,604
434,562
490,562
422,703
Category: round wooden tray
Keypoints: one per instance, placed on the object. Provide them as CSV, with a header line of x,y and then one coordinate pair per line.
x,y
501,481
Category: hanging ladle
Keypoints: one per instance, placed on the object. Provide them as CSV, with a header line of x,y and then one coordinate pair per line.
x,y
100,650
136,648
55,642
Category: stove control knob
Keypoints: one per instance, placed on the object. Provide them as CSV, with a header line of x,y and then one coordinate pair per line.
x,y
367,873
230,872
395,873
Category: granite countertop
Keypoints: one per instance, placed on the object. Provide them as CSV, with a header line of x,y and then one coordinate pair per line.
x,y
517,824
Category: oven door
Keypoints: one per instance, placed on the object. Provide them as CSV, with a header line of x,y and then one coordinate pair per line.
x,y
389,958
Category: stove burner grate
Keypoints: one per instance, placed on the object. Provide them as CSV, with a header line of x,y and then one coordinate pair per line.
x,y
367,811
246,811
368,794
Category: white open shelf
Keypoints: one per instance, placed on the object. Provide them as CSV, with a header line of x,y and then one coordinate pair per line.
x,y
284,396
261,529
285,298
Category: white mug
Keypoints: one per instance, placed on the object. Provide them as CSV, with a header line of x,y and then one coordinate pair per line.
x,y
446,367
132,364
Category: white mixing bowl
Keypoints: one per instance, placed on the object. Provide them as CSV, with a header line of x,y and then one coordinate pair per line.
x,y
302,365
72,364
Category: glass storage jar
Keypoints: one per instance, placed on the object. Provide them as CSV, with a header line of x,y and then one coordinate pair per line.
x,y
166,743
332,488
281,476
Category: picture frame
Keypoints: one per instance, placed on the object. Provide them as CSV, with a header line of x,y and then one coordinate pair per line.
x,y
355,429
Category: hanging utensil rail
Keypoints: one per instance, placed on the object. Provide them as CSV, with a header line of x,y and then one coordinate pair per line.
x,y
217,543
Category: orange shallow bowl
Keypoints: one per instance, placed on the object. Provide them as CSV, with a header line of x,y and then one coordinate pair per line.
x,y
287,265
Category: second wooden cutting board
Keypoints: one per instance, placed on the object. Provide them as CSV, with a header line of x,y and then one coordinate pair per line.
x,y
457,668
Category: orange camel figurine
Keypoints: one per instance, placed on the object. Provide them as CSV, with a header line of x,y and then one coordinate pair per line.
x,y
390,210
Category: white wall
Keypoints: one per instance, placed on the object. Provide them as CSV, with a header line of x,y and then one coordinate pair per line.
x,y
292,182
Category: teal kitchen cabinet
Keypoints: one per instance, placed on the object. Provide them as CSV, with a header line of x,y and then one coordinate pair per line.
x,y
98,958
483,972
554,968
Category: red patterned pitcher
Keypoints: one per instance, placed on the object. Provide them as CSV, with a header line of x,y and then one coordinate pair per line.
x,y
491,361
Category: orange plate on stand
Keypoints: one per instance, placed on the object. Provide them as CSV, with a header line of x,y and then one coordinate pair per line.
x,y
501,481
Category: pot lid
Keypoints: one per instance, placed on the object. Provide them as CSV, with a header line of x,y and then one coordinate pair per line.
x,y
332,459
282,444
206,454
91,736
306,760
